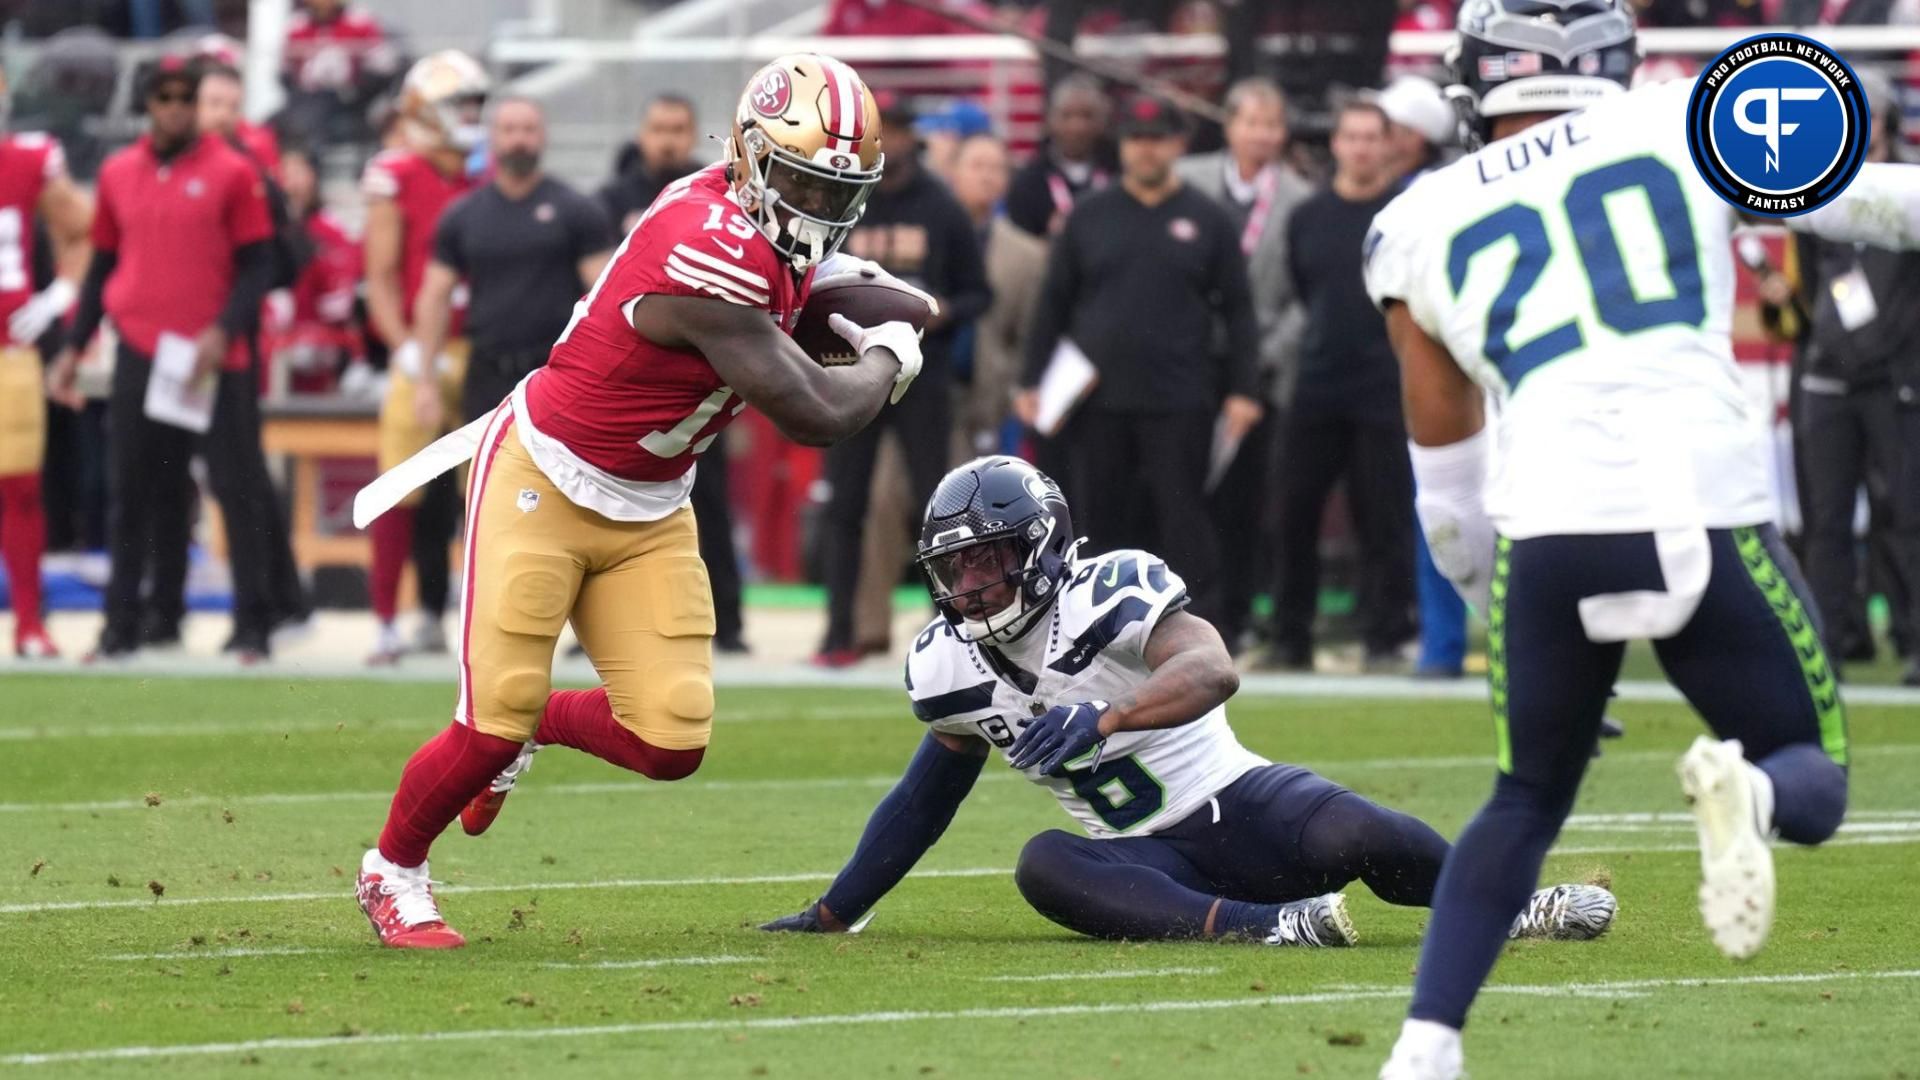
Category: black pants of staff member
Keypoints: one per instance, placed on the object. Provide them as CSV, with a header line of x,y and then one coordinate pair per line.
x,y
1240,512
923,422
1318,449
1142,479
266,583
149,510
713,516
492,375
1844,440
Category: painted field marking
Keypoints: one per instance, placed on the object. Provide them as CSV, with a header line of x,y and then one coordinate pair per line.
x,y
203,954
343,894
903,1016
1076,976
877,782
537,887
667,961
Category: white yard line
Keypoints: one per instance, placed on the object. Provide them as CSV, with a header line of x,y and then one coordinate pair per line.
x,y
668,961
537,887
879,782
345,893
777,1023
877,675
203,954
1077,976
424,725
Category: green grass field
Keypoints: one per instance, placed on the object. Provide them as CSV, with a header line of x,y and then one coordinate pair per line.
x,y
611,920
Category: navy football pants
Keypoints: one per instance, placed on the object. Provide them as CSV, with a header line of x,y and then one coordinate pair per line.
x,y
1749,660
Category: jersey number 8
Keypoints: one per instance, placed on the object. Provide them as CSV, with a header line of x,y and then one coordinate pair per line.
x,y
1121,791
1615,299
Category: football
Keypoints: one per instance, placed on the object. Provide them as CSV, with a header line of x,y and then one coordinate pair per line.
x,y
867,300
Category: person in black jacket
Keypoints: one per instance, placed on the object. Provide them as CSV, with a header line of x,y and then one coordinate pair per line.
x,y
1857,414
915,230
660,153
267,591
1071,164
1345,420
1137,279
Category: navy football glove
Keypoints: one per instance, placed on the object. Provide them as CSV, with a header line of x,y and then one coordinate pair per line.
x,y
1058,736
806,922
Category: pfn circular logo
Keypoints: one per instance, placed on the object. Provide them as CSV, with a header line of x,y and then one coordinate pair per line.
x,y
1778,125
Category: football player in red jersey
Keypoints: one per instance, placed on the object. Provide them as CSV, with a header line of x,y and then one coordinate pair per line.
x,y
440,108
33,180
577,503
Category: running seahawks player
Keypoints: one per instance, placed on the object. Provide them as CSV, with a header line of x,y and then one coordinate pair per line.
x,y
1578,270
1095,684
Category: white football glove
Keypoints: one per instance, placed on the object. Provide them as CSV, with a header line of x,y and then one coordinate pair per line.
x,y
899,338
844,269
32,318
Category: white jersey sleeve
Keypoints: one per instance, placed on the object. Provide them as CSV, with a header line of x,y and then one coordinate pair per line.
x,y
1581,271
1111,606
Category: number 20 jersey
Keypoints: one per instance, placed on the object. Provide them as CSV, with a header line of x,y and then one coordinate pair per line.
x,y
626,418
1096,639
1581,272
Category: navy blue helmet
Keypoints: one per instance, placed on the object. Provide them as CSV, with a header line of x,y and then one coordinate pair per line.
x,y
995,546
1524,56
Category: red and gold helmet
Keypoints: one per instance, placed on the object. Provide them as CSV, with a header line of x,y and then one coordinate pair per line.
x,y
805,153
441,102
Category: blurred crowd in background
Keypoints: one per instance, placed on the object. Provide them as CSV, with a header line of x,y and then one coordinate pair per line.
x,y
1245,423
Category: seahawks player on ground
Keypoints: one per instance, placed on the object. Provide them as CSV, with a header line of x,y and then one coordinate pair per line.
x,y
1578,270
1095,684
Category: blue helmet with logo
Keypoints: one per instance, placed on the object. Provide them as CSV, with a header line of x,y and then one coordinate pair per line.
x,y
995,547
1524,56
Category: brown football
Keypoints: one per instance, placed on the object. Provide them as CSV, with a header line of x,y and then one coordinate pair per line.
x,y
868,303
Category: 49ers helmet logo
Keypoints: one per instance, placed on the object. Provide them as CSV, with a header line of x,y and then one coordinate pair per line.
x,y
774,93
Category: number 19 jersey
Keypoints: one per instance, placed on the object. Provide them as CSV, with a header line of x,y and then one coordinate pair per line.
x,y
29,161
1581,272
1093,649
616,421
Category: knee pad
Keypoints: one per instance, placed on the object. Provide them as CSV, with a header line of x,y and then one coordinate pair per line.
x,y
1809,793
665,694
1034,873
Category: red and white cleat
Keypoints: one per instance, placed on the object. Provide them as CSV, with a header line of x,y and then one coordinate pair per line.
x,y
35,645
398,901
479,813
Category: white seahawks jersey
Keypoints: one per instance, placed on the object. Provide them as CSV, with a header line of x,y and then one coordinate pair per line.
x,y
1581,271
1095,645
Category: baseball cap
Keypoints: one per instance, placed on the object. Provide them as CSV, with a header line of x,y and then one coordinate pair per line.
x,y
1150,117
1418,103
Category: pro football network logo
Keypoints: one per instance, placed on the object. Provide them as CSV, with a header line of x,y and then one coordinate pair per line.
x,y
1778,125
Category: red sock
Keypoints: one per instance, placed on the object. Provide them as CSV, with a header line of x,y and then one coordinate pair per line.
x,y
583,719
392,534
23,539
440,777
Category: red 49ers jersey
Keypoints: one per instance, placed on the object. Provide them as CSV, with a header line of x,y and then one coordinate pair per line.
x,y
28,162
421,192
625,405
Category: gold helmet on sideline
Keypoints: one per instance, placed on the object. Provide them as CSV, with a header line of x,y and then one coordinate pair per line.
x,y
441,102
805,153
